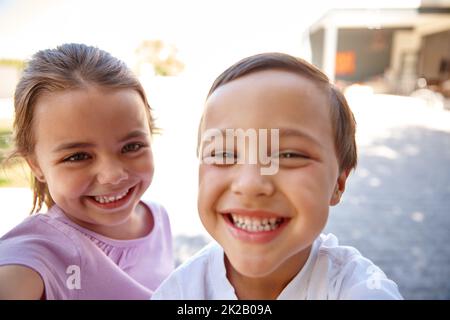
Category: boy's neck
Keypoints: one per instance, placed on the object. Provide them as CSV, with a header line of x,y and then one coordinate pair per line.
x,y
268,287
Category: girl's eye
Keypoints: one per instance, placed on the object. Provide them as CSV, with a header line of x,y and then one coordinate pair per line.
x,y
132,147
77,157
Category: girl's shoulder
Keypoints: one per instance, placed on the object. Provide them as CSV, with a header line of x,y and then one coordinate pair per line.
x,y
157,209
47,246
39,234
160,216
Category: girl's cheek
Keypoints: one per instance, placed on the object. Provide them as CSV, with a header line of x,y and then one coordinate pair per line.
x,y
142,165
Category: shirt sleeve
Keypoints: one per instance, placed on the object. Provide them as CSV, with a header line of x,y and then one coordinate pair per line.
x,y
47,253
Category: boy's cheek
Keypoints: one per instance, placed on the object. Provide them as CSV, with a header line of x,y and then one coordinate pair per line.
x,y
206,172
212,184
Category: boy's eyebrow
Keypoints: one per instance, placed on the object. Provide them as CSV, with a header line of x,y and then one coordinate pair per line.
x,y
76,145
286,132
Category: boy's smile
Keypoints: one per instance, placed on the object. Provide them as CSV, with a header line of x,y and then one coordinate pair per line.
x,y
258,226
267,223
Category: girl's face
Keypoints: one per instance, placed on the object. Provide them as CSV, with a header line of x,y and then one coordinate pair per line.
x,y
93,151
267,223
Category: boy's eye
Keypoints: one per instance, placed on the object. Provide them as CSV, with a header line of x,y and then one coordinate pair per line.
x,y
132,147
290,158
77,157
292,155
224,154
221,157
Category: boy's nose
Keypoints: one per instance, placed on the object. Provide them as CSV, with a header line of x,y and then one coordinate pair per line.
x,y
250,182
111,172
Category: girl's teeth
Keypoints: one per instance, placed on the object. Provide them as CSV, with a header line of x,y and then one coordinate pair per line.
x,y
104,199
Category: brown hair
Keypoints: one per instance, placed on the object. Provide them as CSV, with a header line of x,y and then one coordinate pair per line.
x,y
69,66
343,121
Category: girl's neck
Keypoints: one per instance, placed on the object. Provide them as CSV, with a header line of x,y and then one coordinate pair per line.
x,y
138,225
268,287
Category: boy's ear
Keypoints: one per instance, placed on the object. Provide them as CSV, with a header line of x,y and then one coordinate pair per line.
x,y
35,168
339,188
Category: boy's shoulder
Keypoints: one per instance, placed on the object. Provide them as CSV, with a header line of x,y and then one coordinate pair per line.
x,y
340,255
202,276
350,275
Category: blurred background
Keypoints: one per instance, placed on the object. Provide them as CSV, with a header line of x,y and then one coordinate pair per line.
x,y
391,58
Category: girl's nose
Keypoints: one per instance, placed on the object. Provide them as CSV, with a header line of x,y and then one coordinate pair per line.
x,y
250,182
111,172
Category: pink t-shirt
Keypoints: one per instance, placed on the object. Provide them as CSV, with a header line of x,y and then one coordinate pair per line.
x,y
76,263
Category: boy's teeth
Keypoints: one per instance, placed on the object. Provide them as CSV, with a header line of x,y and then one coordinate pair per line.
x,y
104,199
255,224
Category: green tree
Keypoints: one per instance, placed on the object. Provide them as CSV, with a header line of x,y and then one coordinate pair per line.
x,y
160,56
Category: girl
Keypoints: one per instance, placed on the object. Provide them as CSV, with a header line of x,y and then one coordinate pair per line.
x,y
83,124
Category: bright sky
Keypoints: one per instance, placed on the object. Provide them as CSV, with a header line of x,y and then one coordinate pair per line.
x,y
208,33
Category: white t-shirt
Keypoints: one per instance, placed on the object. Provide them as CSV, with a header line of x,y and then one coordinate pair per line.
x,y
331,272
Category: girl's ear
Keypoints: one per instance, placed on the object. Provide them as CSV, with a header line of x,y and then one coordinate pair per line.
x,y
35,168
339,188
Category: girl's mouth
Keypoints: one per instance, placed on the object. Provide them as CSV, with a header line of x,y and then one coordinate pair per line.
x,y
109,199
112,201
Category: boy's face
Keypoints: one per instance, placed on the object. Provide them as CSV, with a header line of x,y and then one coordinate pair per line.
x,y
93,151
267,223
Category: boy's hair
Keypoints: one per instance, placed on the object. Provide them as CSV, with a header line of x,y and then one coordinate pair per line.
x,y
69,66
343,121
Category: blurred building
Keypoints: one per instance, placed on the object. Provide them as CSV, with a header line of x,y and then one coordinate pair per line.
x,y
388,48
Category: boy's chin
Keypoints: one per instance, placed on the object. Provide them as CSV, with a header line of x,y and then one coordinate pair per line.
x,y
255,267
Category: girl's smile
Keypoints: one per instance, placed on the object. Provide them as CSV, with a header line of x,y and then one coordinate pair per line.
x,y
115,200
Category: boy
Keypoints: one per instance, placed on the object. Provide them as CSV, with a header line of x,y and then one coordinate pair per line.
x,y
268,223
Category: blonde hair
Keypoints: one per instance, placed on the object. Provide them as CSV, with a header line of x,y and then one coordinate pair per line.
x,y
69,66
343,121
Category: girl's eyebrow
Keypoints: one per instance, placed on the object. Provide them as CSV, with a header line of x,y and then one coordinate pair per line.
x,y
76,145
134,134
72,145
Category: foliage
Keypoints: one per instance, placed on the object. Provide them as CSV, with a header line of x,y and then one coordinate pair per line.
x,y
16,63
162,57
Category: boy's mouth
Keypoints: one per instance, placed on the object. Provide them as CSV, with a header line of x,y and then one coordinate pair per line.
x,y
254,224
